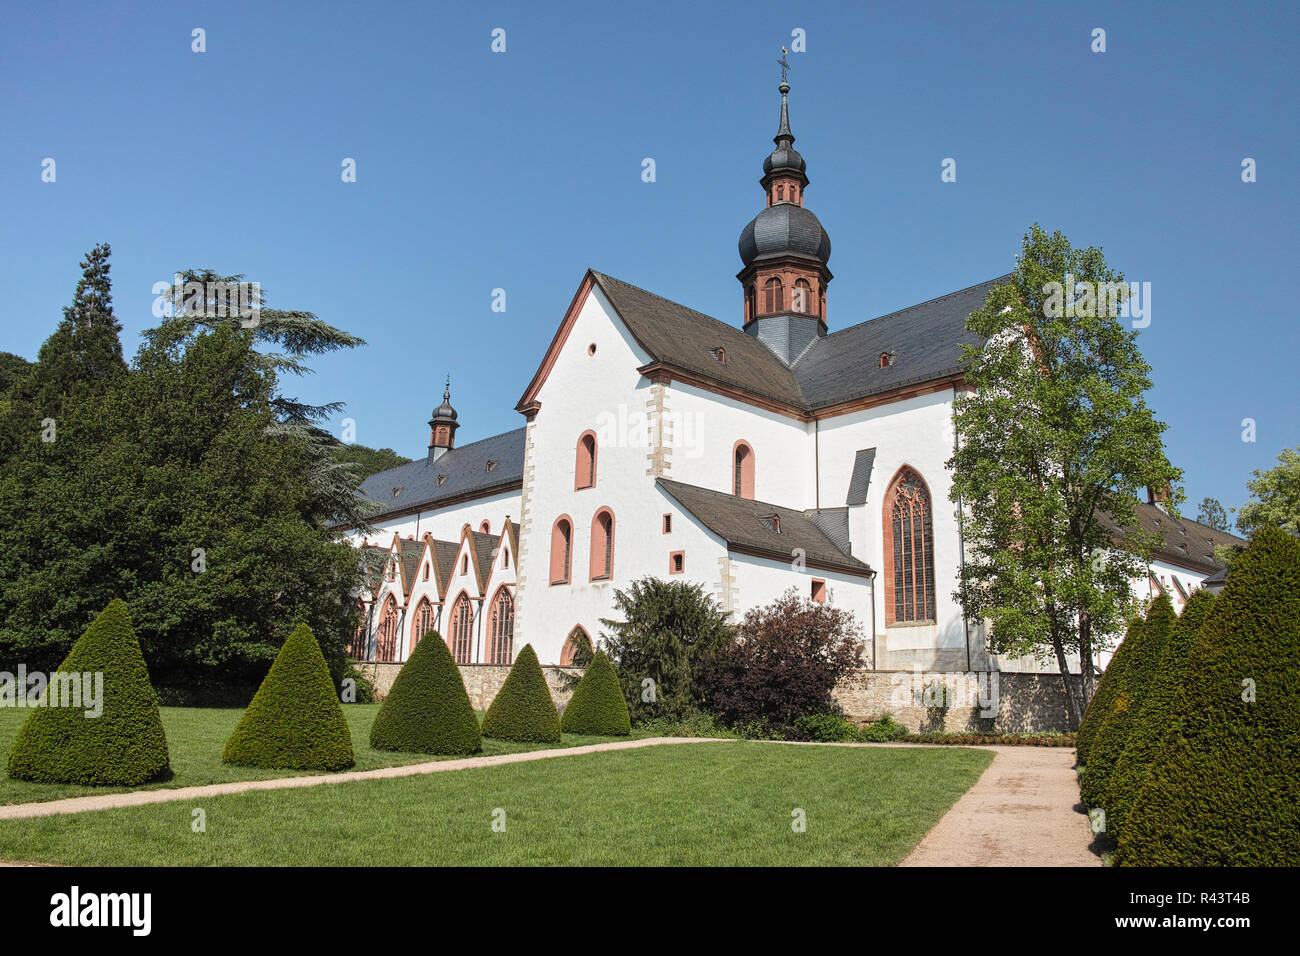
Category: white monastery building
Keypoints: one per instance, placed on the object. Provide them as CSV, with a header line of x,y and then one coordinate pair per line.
x,y
750,456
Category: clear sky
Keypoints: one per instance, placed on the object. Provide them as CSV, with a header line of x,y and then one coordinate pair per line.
x,y
479,170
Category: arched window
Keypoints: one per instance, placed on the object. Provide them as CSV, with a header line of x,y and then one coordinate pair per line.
x,y
773,299
602,545
561,550
577,648
909,550
485,527
461,632
387,645
357,649
751,302
584,471
422,622
742,471
501,629
803,297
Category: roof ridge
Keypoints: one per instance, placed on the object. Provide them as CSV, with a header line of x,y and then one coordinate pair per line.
x,y
723,494
674,302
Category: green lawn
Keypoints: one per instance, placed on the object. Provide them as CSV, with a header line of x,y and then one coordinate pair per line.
x,y
195,737
725,803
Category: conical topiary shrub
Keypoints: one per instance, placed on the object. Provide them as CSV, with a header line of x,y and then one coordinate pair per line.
x,y
1225,788
1103,697
1151,724
1112,735
295,721
427,711
597,707
523,710
125,744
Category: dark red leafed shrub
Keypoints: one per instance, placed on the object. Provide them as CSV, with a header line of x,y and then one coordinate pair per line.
x,y
783,663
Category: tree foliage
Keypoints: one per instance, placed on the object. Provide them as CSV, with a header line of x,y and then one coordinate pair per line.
x,y
1275,496
1212,514
1055,444
667,629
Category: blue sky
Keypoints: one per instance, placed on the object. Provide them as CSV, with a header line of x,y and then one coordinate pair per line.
x,y
518,170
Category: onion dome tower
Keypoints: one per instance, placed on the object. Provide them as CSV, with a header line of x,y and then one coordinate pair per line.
x,y
442,426
784,250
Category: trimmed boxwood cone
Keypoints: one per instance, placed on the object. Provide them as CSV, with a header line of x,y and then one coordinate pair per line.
x,y
597,707
295,721
1151,725
1225,789
1103,697
125,745
523,710
427,711
1112,736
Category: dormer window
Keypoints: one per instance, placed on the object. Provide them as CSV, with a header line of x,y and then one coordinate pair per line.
x,y
396,492
492,464
773,522
887,359
441,479
720,354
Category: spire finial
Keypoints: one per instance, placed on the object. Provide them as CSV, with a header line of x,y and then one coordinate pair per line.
x,y
446,390
785,67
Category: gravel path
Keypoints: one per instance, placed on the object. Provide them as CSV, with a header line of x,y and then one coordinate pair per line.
x,y
1019,813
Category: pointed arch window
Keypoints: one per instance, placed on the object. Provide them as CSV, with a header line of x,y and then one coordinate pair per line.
x,y
576,647
584,470
387,644
602,545
773,295
742,470
357,649
422,622
561,550
909,551
751,302
501,628
461,633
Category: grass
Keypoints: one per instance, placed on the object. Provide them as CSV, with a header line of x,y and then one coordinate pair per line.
x,y
724,803
196,735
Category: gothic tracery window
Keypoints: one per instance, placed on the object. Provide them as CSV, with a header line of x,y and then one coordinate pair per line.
x,y
910,531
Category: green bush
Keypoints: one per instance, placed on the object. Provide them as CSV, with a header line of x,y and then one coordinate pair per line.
x,y
1103,697
523,710
597,707
427,711
1151,723
295,721
882,731
826,728
667,629
124,745
1112,736
1225,788
699,724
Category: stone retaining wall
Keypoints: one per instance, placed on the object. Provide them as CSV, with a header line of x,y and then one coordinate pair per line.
x,y
1014,702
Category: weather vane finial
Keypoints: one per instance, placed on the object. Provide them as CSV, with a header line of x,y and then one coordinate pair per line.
x,y
785,66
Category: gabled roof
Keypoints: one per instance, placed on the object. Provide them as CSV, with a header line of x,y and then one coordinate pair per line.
x,y
1187,543
411,553
415,484
860,482
444,557
485,548
746,527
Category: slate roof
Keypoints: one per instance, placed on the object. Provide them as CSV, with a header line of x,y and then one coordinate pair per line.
x,y
485,549
415,484
411,552
444,553
838,367
1186,542
739,522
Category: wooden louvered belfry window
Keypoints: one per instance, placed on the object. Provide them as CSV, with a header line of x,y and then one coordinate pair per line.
x,y
773,299
912,534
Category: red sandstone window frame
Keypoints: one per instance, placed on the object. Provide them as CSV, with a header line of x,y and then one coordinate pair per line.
x,y
421,623
677,562
742,470
584,461
562,539
819,590
668,523
501,632
460,629
570,649
601,559
909,574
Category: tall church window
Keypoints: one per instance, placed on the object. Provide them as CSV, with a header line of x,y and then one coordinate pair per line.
x,y
602,545
909,550
423,621
387,643
742,471
561,550
462,630
501,629
585,468
773,296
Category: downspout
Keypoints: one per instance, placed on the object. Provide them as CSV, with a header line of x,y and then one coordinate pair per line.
x,y
961,536
817,463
